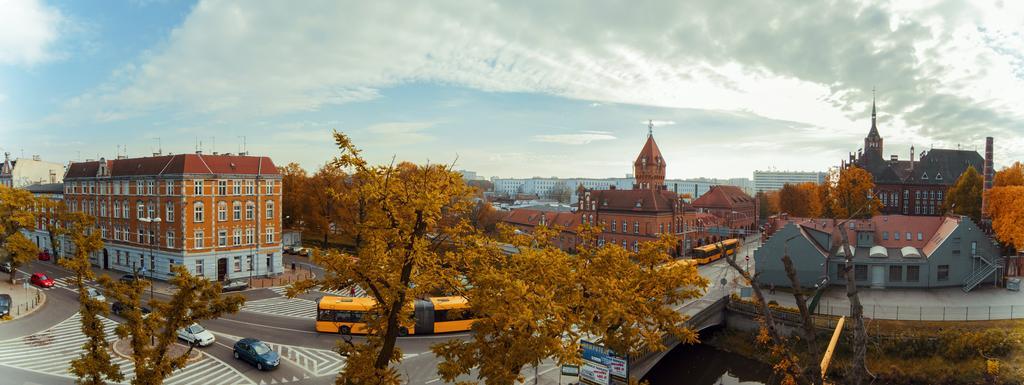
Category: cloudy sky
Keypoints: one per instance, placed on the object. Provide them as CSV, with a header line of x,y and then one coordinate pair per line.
x,y
513,88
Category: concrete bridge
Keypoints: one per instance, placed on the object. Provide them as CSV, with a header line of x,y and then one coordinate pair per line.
x,y
704,313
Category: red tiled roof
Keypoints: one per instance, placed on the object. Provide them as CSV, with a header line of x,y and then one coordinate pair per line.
x,y
650,152
634,200
723,197
569,221
903,224
178,164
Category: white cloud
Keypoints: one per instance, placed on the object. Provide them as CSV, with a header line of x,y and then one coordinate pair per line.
x,y
945,71
29,30
397,133
574,139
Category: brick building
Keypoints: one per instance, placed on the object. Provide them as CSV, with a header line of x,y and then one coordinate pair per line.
x,y
526,220
916,187
737,211
219,215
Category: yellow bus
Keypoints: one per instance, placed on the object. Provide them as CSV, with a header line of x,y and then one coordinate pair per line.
x,y
711,252
346,315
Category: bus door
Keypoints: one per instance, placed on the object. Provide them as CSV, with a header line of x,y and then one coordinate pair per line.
x,y
424,315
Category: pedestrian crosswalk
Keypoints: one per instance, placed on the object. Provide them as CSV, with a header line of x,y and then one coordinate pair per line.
x,y
284,307
353,291
51,351
318,362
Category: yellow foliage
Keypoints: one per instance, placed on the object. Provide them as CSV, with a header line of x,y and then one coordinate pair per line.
x,y
1006,207
851,194
800,200
17,212
964,197
1012,175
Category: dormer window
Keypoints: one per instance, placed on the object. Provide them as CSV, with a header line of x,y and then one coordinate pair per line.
x,y
924,176
938,176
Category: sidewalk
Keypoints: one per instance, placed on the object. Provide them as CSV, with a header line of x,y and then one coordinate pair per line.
x,y
25,300
951,303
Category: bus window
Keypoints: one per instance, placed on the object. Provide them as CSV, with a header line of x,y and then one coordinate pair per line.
x,y
326,315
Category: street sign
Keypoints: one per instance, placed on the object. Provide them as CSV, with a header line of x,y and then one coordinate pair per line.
x,y
570,370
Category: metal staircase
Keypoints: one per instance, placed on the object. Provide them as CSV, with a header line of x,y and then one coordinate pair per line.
x,y
981,272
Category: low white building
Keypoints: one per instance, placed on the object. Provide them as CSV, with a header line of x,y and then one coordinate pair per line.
x,y
23,172
770,180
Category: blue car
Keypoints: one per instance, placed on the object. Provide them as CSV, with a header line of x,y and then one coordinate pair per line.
x,y
257,353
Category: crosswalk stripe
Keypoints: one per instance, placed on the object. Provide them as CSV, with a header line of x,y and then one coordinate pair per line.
x,y
287,307
52,350
319,362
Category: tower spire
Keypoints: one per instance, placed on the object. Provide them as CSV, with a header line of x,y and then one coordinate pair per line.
x,y
650,127
873,116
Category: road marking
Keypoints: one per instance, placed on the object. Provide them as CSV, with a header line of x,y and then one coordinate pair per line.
x,y
268,326
318,362
433,381
283,307
52,350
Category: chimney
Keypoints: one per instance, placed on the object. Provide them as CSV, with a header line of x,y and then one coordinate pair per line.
x,y
894,158
989,176
199,152
911,157
36,158
215,153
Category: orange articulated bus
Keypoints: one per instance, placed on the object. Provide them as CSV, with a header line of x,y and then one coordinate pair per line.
x,y
709,253
347,315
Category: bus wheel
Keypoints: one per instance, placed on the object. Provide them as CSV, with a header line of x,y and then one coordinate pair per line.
x,y
345,330
403,331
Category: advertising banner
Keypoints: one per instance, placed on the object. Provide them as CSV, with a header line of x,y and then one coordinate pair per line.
x,y
618,367
594,374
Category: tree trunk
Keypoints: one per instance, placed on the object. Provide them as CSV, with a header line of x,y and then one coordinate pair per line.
x,y
391,335
810,334
860,347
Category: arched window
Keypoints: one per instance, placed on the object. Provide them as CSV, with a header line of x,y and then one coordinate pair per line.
x,y
140,210
237,210
613,225
124,209
197,212
270,209
117,210
636,227
250,211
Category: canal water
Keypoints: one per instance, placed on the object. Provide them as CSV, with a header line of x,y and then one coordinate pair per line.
x,y
706,365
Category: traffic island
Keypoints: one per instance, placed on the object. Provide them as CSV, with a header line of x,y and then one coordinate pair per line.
x,y
123,348
25,299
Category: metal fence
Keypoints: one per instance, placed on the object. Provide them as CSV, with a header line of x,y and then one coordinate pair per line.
x,y
929,313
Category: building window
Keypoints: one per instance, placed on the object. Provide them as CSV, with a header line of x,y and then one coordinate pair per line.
x,y
974,248
636,227
222,238
139,210
151,210
636,246
222,211
270,187
895,273
117,233
943,273
124,209
117,209
885,235
222,187
199,267
140,236
198,239
120,260
661,228
250,211
170,239
860,272
249,236
909,236
625,228
913,273
149,187
103,208
169,187
197,212
248,261
238,263
270,209
170,212
138,187
238,210
236,187
197,187
249,190
896,235
270,235
238,237
613,225
920,236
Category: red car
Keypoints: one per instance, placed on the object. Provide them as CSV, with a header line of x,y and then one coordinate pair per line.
x,y
44,255
41,280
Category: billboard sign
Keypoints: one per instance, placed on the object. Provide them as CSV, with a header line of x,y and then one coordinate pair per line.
x,y
618,367
594,374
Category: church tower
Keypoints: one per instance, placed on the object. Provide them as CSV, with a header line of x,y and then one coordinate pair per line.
x,y
649,167
873,142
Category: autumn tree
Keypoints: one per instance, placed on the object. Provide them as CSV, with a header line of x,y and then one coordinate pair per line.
x,y
94,365
852,191
17,212
151,337
964,197
293,196
324,193
538,303
1005,205
560,192
485,218
1012,175
400,216
800,200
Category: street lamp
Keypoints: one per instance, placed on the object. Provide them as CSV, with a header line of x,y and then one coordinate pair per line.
x,y
152,263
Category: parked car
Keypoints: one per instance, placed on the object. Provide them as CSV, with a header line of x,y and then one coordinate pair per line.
x,y
195,334
43,255
234,285
91,292
303,251
129,278
257,353
6,267
289,249
41,280
5,305
120,308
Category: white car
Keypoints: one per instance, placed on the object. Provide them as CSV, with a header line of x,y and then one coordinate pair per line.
x,y
91,292
196,334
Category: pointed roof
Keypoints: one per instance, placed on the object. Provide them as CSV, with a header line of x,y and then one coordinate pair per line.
x,y
723,197
650,152
874,119
7,168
